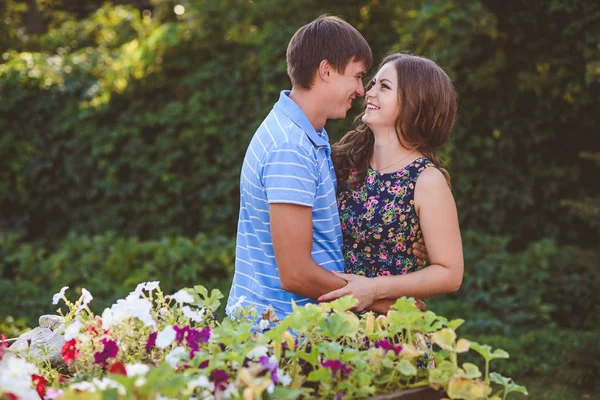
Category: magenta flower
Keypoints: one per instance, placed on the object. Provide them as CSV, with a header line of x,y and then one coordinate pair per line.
x,y
387,346
220,379
192,337
151,342
110,351
335,366
271,367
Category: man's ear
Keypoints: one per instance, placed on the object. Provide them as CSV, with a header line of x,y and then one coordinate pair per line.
x,y
324,70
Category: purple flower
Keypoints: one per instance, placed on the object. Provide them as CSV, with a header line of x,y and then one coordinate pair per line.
x,y
335,366
270,366
340,396
220,379
387,346
151,341
110,351
192,337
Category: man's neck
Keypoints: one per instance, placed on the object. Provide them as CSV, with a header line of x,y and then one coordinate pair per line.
x,y
310,102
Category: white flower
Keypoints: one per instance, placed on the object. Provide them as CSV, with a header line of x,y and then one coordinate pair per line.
x,y
175,356
161,397
131,307
60,295
231,391
150,286
15,377
73,330
165,337
257,352
83,387
284,379
231,309
201,382
85,299
271,388
196,316
263,324
183,296
137,369
107,383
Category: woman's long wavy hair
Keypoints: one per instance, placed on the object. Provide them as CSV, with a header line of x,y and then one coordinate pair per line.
x,y
425,119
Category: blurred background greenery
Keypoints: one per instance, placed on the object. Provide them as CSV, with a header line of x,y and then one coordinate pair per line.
x,y
123,127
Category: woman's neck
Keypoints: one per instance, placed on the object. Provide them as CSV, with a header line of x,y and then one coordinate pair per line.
x,y
388,150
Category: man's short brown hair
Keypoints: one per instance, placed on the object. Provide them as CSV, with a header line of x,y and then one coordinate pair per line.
x,y
326,38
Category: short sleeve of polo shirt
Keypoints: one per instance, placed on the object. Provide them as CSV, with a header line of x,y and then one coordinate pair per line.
x,y
290,175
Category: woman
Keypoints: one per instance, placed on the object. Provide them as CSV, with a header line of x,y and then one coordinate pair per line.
x,y
393,190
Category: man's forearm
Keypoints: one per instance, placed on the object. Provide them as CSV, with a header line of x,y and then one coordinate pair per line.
x,y
311,280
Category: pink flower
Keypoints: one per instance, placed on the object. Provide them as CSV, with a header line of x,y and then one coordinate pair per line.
x,y
387,346
385,273
383,256
404,271
110,351
335,366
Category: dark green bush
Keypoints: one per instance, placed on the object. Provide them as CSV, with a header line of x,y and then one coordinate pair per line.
x,y
140,127
109,267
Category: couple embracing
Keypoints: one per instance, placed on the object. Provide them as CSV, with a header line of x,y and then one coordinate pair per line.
x,y
318,222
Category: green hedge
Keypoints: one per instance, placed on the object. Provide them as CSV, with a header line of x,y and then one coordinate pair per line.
x,y
107,266
135,126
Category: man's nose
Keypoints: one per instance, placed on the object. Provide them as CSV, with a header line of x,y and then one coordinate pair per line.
x,y
361,89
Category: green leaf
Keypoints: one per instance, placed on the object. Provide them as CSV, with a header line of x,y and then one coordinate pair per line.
x,y
406,368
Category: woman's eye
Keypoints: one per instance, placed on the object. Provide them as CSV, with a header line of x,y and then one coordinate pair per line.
x,y
385,86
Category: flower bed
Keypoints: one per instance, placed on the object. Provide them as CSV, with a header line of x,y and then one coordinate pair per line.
x,y
150,345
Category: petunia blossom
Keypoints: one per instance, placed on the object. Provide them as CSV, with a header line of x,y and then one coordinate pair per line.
x,y
73,330
129,307
221,379
40,384
70,352
165,337
335,366
60,295
110,350
86,298
117,368
151,341
183,296
387,346
196,316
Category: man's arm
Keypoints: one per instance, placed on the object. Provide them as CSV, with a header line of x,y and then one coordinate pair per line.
x,y
292,233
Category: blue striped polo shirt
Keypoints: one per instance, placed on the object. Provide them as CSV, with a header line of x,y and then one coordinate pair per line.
x,y
287,161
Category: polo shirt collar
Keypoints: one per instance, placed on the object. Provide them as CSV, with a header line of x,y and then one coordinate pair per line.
x,y
295,113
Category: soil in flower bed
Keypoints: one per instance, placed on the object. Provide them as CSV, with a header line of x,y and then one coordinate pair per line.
x,y
411,394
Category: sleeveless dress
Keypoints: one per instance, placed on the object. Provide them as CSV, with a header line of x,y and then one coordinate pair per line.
x,y
379,226
379,222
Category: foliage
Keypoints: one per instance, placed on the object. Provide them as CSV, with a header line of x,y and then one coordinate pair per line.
x,y
107,265
151,344
139,124
507,293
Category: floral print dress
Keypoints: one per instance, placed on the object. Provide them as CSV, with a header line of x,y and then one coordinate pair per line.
x,y
379,226
379,222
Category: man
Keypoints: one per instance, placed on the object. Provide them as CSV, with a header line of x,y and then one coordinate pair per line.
x,y
289,238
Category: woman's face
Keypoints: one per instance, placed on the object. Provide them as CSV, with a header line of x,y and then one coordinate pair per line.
x,y
383,105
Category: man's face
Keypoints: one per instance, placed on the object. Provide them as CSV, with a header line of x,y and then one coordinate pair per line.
x,y
345,88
